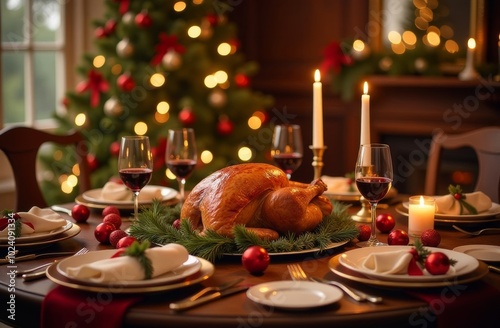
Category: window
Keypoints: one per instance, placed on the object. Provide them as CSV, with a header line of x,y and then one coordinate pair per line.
x,y
32,60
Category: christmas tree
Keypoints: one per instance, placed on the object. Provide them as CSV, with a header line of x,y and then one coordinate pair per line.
x,y
161,64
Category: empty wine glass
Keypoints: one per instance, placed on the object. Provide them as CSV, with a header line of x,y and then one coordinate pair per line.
x,y
135,165
181,155
287,147
373,175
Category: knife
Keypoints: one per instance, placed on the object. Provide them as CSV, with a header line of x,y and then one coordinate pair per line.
x,y
187,304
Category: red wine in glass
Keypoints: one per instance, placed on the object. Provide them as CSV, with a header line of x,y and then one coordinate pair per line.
x,y
135,178
288,162
182,168
373,189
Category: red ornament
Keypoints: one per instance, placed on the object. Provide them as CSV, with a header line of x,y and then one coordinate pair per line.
x,y
114,219
92,162
143,19
125,242
437,263
365,232
125,82
110,209
255,259
385,222
398,237
187,117
100,32
80,213
114,148
242,80
102,232
110,26
177,224
115,236
430,237
225,127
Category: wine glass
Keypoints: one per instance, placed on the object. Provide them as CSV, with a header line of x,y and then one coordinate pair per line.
x,y
373,175
287,147
135,165
181,155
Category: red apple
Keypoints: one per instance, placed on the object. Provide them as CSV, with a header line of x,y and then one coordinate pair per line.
x,y
102,232
437,263
80,213
385,222
255,259
398,237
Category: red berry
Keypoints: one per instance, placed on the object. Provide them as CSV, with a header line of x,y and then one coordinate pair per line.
x,y
125,242
80,213
364,232
457,196
398,237
177,224
437,263
385,222
115,236
110,209
114,219
255,259
430,237
102,232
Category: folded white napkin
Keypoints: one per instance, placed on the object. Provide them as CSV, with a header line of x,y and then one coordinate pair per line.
x,y
395,262
449,205
338,184
114,191
126,268
42,219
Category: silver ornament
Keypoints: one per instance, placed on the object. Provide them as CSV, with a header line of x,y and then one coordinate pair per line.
x,y
112,107
172,60
124,48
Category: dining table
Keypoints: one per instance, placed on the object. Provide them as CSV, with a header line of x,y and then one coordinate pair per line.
x,y
474,303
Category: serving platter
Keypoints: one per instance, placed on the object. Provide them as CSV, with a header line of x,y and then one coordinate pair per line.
x,y
296,295
344,272
206,271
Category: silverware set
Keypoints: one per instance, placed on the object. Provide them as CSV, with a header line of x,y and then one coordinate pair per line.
x,y
297,273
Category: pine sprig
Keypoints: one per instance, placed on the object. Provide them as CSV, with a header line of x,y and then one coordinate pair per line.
x,y
138,250
460,196
155,225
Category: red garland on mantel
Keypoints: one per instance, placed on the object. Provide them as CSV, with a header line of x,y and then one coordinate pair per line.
x,y
96,84
166,43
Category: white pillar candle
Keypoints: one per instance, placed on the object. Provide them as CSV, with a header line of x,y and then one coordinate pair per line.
x,y
469,72
365,116
420,215
317,112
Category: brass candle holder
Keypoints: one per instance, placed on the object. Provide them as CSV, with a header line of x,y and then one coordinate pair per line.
x,y
317,162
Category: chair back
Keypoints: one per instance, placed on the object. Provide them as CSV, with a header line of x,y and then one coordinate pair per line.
x,y
485,142
21,145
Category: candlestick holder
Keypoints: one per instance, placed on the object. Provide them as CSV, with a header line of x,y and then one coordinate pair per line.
x,y
364,214
317,162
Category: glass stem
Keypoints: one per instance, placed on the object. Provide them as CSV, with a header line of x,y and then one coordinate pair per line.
x,y
373,235
182,183
136,205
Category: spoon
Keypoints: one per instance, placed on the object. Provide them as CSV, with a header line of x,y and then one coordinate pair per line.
x,y
476,233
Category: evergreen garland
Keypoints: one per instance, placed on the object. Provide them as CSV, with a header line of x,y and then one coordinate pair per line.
x,y
155,224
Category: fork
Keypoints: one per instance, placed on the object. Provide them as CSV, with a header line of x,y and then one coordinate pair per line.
x,y
297,273
475,233
29,275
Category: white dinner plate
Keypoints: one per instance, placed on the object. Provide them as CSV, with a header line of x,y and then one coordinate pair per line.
x,y
488,253
38,236
94,196
294,294
191,266
492,211
354,259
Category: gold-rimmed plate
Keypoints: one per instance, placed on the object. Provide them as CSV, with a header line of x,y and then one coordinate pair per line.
x,y
206,271
344,272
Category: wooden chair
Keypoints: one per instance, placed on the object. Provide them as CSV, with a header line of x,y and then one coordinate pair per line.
x,y
21,146
486,143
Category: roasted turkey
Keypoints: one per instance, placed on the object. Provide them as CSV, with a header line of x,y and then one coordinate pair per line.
x,y
258,196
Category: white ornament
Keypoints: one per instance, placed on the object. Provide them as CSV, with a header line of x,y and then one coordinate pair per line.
x,y
128,18
112,107
172,60
124,48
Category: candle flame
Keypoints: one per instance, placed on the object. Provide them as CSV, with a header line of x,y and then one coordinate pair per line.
x,y
471,43
317,76
422,201
365,88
